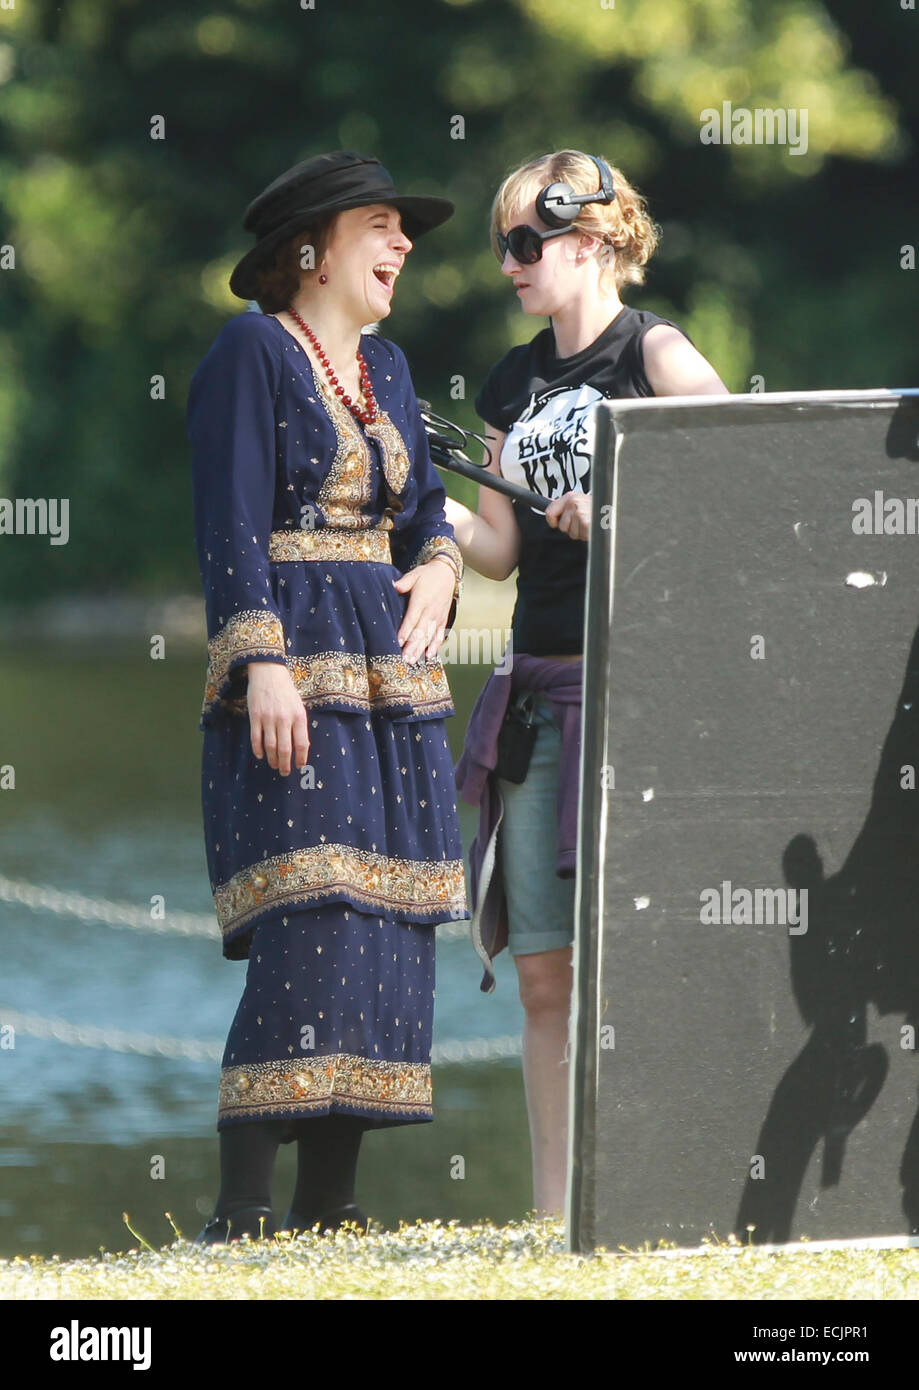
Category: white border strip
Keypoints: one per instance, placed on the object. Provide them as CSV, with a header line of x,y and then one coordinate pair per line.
x,y
881,395
797,1247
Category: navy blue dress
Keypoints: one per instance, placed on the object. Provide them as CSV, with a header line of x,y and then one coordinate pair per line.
x,y
329,881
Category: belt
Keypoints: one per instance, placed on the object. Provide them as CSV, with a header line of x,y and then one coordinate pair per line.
x,y
330,543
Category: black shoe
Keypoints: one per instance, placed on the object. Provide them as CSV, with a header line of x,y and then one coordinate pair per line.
x,y
329,1221
221,1230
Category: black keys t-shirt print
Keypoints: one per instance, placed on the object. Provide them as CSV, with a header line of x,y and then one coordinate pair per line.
x,y
550,446
544,405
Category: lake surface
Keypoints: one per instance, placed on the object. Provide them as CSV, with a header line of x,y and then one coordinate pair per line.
x,y
106,804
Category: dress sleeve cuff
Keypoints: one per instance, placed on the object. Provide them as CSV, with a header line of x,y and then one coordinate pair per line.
x,y
443,545
440,545
256,635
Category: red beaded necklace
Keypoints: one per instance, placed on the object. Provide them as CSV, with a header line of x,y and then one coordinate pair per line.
x,y
366,415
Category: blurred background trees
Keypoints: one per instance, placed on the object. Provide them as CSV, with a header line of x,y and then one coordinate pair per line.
x,y
785,267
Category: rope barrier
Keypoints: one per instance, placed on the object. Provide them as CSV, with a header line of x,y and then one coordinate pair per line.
x,y
196,1050
188,924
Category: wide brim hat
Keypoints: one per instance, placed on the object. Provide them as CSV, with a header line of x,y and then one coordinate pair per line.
x,y
325,184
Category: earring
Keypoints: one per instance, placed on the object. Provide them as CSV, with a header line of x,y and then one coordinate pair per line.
x,y
323,279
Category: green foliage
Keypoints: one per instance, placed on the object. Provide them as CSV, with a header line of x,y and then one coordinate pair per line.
x,y
779,266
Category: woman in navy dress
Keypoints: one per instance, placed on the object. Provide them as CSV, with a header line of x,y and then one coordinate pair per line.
x,y
330,577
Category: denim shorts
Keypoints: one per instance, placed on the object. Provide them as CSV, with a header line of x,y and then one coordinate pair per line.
x,y
540,905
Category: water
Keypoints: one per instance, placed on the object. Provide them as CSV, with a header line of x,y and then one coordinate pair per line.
x,y
106,753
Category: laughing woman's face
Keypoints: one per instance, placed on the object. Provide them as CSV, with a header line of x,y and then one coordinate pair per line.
x,y
364,257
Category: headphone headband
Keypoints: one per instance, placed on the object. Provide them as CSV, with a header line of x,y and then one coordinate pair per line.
x,y
558,205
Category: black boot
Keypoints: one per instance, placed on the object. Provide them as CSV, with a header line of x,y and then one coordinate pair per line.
x,y
253,1221
329,1221
247,1154
327,1153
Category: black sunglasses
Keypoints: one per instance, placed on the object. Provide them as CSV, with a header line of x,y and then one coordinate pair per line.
x,y
525,243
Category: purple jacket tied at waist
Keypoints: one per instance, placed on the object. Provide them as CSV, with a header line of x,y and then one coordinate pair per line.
x,y
477,784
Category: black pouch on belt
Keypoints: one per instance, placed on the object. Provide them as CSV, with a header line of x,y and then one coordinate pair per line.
x,y
516,739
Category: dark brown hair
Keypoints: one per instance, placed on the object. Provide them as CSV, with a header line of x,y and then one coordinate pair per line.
x,y
279,279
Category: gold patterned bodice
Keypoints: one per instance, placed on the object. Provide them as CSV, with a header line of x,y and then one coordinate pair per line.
x,y
346,493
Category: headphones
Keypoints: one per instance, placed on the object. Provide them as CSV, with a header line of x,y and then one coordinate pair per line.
x,y
558,205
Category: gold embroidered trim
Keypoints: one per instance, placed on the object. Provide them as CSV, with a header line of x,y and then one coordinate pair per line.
x,y
330,543
252,633
392,446
346,490
437,545
365,683
261,1088
373,682
376,880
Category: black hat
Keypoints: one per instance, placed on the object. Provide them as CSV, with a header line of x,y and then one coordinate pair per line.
x,y
325,184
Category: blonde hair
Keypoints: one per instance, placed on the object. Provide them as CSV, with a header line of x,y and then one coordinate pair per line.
x,y
629,235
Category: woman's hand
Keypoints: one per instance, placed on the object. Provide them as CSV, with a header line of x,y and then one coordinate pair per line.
x,y
277,716
571,513
431,587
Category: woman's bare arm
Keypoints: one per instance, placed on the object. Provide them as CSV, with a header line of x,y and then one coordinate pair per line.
x,y
490,537
675,368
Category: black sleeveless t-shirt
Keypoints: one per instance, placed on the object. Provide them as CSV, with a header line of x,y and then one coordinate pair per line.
x,y
544,405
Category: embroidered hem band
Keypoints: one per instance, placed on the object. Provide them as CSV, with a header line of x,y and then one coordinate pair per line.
x,y
305,1084
375,880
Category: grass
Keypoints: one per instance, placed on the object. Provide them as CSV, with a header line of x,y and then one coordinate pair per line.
x,y
430,1260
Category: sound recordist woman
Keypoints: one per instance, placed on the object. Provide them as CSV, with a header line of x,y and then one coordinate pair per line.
x,y
570,233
